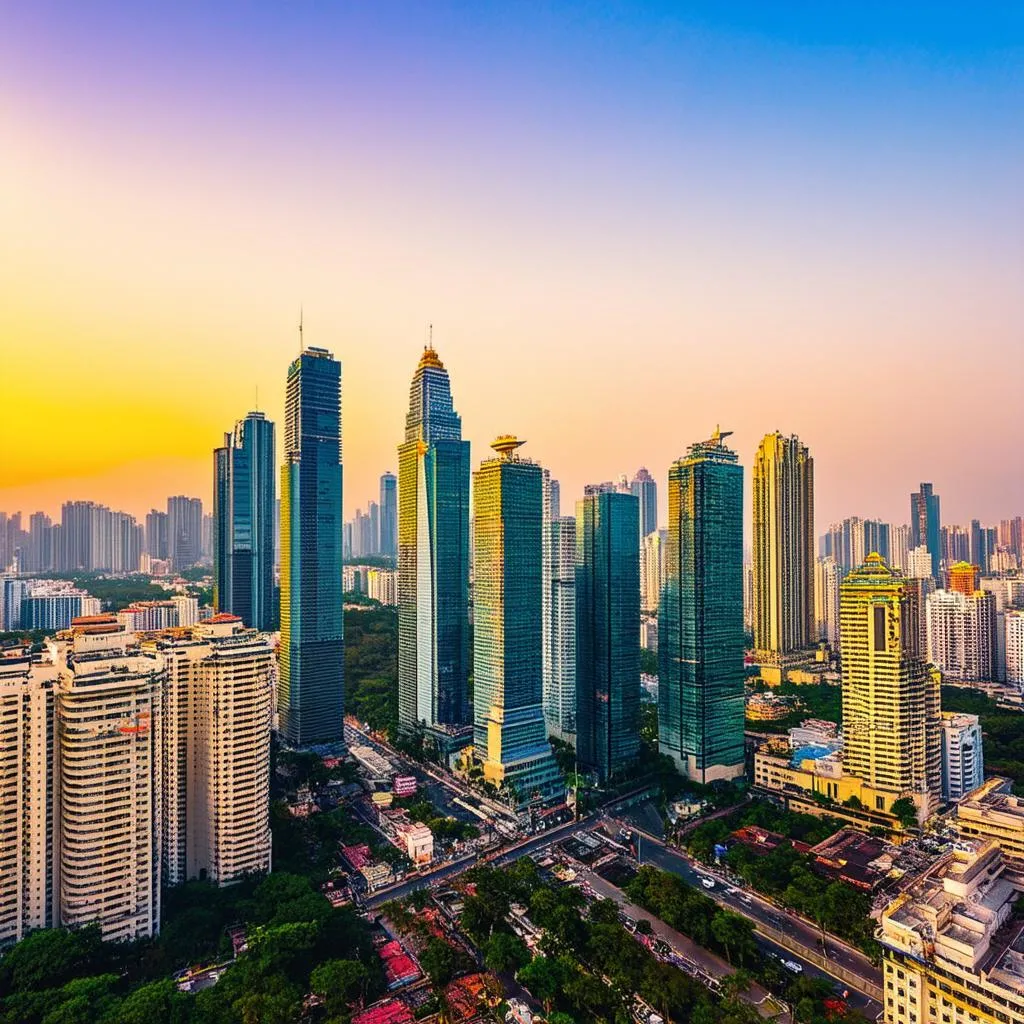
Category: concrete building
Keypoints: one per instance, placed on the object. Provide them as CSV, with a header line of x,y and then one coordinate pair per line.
x,y
926,525
560,667
993,812
952,947
899,547
27,873
645,488
783,549
919,564
963,760
891,710
382,585
52,605
700,628
962,634
1013,625
389,516
509,732
652,568
962,578
108,746
828,575
184,531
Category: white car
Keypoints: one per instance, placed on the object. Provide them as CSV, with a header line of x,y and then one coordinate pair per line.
x,y
708,883
792,965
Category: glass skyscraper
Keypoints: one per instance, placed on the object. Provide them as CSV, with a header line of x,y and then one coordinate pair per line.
x,y
926,525
508,729
311,689
389,515
700,632
607,631
645,488
433,555
243,523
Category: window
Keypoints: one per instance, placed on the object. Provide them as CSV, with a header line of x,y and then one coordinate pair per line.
x,y
879,628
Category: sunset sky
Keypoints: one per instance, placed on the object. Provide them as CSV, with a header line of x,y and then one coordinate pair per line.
x,y
627,222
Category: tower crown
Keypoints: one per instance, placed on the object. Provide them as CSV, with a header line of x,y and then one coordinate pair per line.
x,y
430,358
506,444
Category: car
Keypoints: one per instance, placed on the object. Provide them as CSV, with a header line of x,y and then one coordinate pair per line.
x,y
792,965
708,883
744,898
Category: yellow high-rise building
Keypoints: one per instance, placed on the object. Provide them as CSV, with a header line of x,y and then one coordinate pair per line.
x,y
783,549
891,709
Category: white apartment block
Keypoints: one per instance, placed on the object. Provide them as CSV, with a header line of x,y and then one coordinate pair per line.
x,y
828,575
382,586
962,633
652,566
1013,623
963,762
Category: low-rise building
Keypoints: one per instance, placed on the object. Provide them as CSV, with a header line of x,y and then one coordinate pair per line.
x,y
952,946
419,843
377,875
993,812
368,758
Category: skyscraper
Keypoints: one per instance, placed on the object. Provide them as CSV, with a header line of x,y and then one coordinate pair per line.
x,y
783,549
184,531
433,555
389,515
311,688
243,523
700,629
508,729
962,633
560,666
646,490
607,631
891,714
828,574
925,524
156,534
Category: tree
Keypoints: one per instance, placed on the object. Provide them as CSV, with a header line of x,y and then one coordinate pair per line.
x,y
543,977
157,1001
603,912
338,982
440,962
505,952
736,934
50,958
904,811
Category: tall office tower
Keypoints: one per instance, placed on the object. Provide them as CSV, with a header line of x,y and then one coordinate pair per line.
x,y
963,760
963,578
919,564
979,547
554,499
156,534
876,537
346,542
919,589
546,565
645,489
899,547
26,798
925,524
5,552
828,575
75,550
37,555
389,515
962,634
207,535
891,714
851,540
433,555
184,531
560,669
607,632
364,530
311,688
108,728
508,729
374,512
1014,632
956,544
783,549
127,541
243,523
217,718
700,626
13,592
1011,536
652,560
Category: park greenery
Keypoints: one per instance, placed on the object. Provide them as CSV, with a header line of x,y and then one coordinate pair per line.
x,y
1003,731
117,592
441,825
787,875
371,666
816,700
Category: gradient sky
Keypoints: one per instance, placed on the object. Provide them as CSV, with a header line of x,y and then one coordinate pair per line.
x,y
627,222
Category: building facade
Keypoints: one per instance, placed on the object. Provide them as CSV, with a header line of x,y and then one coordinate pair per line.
x,y
828,575
700,629
311,687
962,634
509,731
926,525
783,548
389,516
560,667
607,632
433,555
184,531
645,488
963,759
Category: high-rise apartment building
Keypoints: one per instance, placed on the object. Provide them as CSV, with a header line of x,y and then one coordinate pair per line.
x,y
243,523
645,488
948,947
389,515
156,534
700,628
1011,536
38,554
311,688
509,732
963,760
955,543
607,632
849,542
108,743
962,634
1014,631
652,568
919,564
926,525
783,548
560,665
433,555
828,575
216,750
891,711
184,531
963,578
899,547
27,876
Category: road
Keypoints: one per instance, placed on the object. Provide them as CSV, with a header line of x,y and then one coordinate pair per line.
x,y
750,905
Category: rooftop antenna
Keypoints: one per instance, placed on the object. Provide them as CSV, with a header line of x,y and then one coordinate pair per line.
x,y
430,335
300,330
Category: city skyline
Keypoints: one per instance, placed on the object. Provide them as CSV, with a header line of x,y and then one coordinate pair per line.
x,y
656,196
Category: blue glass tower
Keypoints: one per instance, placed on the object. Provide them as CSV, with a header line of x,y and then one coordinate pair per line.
x,y
311,690
508,729
607,631
926,524
433,555
243,523
389,516
700,632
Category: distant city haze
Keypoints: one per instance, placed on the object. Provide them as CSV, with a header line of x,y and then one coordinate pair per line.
x,y
626,228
